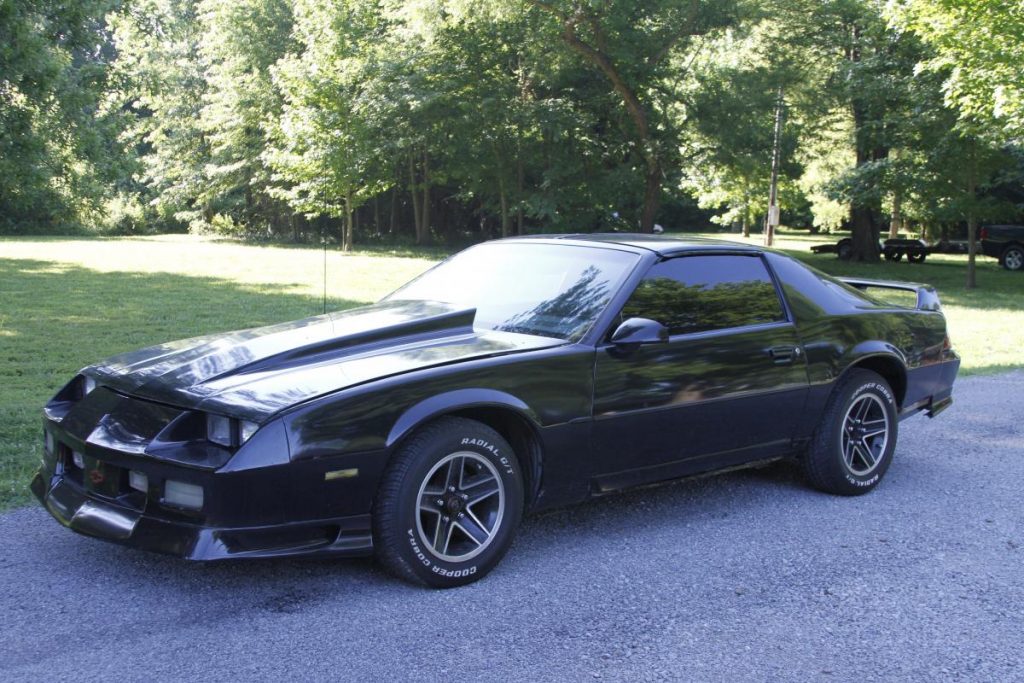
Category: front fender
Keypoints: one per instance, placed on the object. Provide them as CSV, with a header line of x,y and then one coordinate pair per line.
x,y
450,401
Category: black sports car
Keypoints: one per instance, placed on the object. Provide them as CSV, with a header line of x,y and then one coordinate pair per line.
x,y
517,375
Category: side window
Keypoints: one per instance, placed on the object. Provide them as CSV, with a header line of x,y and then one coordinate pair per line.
x,y
691,294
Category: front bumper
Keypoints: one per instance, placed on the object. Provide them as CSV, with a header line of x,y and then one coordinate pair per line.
x,y
109,462
95,516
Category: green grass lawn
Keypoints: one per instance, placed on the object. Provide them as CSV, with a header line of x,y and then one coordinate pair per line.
x,y
69,302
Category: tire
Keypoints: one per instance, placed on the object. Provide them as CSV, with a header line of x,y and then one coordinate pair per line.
x,y
838,462
427,527
844,250
1013,257
892,255
917,257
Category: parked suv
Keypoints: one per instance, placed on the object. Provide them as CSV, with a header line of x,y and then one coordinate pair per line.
x,y
1006,243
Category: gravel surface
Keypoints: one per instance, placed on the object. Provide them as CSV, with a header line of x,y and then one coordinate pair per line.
x,y
745,576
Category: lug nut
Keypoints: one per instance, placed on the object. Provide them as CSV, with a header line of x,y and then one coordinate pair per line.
x,y
440,502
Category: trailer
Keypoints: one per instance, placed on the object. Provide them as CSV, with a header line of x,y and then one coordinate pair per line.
x,y
894,249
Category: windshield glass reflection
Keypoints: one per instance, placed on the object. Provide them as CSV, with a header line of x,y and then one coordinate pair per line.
x,y
550,290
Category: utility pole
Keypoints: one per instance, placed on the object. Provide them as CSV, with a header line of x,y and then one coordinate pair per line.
x,y
772,220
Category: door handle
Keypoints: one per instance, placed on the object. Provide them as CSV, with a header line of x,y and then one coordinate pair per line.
x,y
782,355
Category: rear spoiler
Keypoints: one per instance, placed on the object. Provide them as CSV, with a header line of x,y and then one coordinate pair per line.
x,y
927,297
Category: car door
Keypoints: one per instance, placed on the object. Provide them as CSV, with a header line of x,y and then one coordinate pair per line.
x,y
727,387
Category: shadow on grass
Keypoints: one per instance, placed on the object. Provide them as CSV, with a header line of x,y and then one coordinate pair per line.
x,y
56,318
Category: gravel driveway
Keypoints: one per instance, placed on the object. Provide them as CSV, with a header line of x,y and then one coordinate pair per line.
x,y
746,576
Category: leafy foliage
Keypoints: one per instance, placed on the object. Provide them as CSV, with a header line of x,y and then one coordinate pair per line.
x,y
459,120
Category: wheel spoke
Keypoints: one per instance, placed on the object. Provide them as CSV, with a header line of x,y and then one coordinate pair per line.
x,y
429,502
866,456
442,534
848,450
863,408
481,489
874,432
472,527
453,477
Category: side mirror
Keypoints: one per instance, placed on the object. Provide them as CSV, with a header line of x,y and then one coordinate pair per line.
x,y
636,331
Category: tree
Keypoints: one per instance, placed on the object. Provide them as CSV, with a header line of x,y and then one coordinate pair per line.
x,y
242,40
633,46
978,46
730,101
323,155
59,157
162,83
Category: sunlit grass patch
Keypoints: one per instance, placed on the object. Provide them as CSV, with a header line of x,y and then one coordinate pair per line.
x,y
68,303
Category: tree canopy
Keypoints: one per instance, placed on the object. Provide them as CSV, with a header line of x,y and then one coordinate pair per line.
x,y
460,120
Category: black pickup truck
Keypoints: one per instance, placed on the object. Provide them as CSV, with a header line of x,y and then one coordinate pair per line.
x,y
1006,243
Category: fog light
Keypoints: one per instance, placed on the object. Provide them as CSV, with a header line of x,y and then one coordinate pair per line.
x,y
183,495
78,459
48,442
138,481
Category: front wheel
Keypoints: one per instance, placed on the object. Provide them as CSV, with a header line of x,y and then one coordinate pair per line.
x,y
853,446
1013,258
449,504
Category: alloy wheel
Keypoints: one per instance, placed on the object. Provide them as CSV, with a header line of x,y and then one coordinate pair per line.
x,y
865,434
461,503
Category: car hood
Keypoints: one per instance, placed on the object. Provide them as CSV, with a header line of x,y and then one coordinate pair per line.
x,y
254,373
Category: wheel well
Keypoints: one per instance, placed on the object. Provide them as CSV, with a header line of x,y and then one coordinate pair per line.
x,y
521,435
1011,245
891,370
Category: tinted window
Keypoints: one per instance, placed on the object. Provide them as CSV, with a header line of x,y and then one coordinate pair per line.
x,y
700,293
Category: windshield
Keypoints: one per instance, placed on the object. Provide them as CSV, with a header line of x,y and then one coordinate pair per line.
x,y
550,290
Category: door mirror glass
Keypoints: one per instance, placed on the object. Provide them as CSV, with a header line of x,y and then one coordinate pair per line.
x,y
640,331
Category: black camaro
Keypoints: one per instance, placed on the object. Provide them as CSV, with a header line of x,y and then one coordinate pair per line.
x,y
517,375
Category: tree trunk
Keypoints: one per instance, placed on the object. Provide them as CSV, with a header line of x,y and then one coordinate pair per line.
x,y
423,236
346,235
519,195
652,196
394,209
415,198
864,214
746,221
506,218
972,219
896,223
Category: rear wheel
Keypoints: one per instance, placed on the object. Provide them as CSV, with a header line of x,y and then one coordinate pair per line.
x,y
1013,257
916,256
844,250
853,446
449,504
